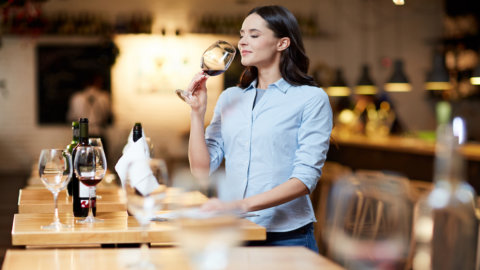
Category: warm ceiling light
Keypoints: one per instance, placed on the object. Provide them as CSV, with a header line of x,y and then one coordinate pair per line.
x,y
398,81
475,79
399,2
365,85
339,87
438,78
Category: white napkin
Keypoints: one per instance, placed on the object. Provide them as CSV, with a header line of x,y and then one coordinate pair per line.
x,y
135,158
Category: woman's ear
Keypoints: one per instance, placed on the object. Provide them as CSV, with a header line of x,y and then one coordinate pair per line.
x,y
283,43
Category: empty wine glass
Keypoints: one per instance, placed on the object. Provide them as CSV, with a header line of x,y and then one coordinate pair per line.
x,y
55,170
369,221
215,60
146,192
90,166
206,236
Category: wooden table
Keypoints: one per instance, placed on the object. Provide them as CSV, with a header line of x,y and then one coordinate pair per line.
x,y
252,258
41,201
117,228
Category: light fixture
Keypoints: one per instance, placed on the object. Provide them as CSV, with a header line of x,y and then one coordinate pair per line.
x,y
399,2
365,85
438,78
398,82
475,79
339,87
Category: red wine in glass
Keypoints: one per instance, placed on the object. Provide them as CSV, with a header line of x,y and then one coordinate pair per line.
x,y
215,60
90,181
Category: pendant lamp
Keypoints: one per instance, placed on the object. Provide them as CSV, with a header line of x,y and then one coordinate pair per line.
x,y
438,78
398,82
339,87
475,79
365,85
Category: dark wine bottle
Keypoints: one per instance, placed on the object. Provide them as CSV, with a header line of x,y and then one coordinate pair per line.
x,y
69,148
137,131
80,190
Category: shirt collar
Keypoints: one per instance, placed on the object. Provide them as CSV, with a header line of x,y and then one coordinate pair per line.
x,y
281,85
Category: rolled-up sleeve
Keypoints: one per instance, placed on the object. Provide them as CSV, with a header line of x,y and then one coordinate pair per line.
x,y
313,140
213,138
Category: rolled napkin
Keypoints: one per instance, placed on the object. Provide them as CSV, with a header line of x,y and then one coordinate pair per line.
x,y
135,161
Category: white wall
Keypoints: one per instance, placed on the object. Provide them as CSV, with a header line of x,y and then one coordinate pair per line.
x,y
166,118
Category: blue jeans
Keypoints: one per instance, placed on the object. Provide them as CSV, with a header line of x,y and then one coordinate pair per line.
x,y
302,236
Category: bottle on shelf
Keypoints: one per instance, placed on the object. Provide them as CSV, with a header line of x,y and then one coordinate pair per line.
x,y
69,148
81,191
137,131
446,227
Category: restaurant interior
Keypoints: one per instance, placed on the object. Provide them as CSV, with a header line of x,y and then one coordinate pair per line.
x,y
391,69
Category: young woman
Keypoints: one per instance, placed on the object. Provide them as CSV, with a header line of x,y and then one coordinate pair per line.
x,y
272,130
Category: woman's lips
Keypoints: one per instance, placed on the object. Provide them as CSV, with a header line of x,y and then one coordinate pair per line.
x,y
245,52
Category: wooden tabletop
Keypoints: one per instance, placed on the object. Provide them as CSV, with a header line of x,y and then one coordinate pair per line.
x,y
109,199
117,227
41,201
253,258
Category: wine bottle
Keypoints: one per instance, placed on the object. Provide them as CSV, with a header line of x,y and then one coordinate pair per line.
x,y
446,227
69,148
80,190
137,131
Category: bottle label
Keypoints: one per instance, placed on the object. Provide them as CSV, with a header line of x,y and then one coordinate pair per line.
x,y
84,203
84,191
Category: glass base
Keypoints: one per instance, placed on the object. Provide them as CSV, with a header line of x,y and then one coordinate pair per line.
x,y
143,265
89,220
56,226
182,94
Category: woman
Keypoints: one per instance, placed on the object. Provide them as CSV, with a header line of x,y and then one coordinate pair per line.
x,y
273,130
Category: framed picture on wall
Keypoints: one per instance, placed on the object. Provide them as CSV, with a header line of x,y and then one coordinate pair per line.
x,y
66,69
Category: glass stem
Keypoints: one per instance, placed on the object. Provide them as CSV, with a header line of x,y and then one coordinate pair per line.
x,y
55,216
90,211
145,257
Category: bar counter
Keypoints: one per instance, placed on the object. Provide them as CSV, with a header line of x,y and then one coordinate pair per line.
x,y
410,156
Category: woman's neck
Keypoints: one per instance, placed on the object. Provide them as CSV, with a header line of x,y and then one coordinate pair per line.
x,y
267,77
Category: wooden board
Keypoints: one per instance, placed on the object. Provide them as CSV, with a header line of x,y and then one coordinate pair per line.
x,y
117,227
252,258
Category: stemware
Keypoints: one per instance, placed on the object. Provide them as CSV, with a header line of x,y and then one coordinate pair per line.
x,y
55,170
206,236
368,223
146,191
215,60
93,141
90,167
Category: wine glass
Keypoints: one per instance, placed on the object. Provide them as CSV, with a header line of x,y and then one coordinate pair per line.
x,y
55,170
369,221
97,142
215,60
90,166
146,192
206,236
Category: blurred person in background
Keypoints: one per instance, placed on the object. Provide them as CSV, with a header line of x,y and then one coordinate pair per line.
x,y
93,103
272,129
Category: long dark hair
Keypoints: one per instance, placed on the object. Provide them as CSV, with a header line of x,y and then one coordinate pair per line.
x,y
293,61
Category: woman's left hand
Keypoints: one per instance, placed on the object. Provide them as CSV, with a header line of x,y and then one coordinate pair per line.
x,y
218,205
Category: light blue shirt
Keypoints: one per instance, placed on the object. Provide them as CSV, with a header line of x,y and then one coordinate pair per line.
x,y
286,135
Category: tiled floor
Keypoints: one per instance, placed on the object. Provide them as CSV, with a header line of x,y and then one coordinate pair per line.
x,y
10,183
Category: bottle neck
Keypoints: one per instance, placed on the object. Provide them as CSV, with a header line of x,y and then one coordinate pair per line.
x,y
76,134
83,136
449,164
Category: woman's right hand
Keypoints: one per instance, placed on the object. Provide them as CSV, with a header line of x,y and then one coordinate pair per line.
x,y
198,90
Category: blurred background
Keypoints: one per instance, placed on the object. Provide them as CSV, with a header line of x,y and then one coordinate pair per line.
x,y
145,49
386,65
